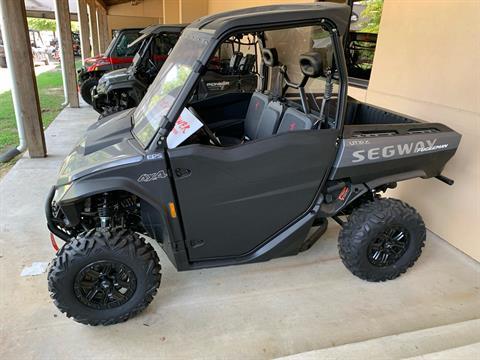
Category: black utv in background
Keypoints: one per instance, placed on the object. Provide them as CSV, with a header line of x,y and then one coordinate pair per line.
x,y
124,88
229,70
240,177
117,56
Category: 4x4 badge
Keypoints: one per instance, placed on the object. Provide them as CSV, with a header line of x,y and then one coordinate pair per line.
x,y
152,177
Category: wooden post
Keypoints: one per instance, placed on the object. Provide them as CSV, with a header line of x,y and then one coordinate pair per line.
x,y
62,15
102,30
94,27
84,29
17,38
106,36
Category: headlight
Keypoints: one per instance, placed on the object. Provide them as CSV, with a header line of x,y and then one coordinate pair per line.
x,y
60,193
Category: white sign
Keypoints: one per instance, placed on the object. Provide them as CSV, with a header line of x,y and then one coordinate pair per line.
x,y
187,124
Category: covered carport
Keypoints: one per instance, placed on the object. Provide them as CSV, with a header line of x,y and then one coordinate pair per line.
x,y
303,307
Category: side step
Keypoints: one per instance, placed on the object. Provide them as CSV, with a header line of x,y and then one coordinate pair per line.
x,y
322,224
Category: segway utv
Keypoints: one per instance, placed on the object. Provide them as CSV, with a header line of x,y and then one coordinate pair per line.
x,y
239,178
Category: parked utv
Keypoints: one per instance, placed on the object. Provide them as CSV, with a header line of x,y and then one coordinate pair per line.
x,y
124,88
229,70
240,177
118,55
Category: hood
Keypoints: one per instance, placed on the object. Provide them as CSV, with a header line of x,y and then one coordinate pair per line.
x,y
115,76
107,143
92,60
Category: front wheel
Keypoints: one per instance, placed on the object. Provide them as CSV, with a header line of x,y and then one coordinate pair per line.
x,y
103,277
381,239
86,89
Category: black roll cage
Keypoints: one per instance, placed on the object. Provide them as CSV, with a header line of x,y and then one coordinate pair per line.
x,y
158,141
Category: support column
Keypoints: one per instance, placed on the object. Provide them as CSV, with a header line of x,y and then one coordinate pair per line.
x,y
102,30
84,29
94,27
171,11
108,36
24,84
62,16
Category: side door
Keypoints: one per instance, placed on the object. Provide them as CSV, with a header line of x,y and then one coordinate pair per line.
x,y
232,199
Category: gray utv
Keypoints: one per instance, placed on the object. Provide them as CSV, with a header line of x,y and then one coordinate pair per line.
x,y
238,178
124,88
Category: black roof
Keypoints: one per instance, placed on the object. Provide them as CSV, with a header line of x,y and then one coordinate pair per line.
x,y
156,29
270,15
130,29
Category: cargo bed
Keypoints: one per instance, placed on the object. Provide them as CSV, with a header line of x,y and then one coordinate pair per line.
x,y
377,141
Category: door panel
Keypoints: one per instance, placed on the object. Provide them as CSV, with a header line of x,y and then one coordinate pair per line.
x,y
233,199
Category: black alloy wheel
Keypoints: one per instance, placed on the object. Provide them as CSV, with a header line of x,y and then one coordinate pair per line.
x,y
389,246
105,284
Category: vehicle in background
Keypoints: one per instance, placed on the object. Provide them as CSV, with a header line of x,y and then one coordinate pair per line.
x,y
124,88
39,49
359,51
228,71
77,50
118,55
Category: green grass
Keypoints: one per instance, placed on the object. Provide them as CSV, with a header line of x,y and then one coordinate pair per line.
x,y
50,92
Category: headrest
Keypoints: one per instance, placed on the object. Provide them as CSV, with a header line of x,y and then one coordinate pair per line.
x,y
311,64
270,56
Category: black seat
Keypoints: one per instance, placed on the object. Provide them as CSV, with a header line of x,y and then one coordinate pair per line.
x,y
295,120
263,115
257,105
269,121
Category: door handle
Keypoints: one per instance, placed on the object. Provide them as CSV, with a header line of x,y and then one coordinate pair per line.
x,y
182,173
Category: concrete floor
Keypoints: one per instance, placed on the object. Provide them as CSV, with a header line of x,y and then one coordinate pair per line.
x,y
308,305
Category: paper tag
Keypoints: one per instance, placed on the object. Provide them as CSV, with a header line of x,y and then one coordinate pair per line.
x,y
187,124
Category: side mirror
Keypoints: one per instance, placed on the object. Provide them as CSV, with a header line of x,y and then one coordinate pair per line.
x,y
311,64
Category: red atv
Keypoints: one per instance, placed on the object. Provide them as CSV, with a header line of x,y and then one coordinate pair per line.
x,y
118,55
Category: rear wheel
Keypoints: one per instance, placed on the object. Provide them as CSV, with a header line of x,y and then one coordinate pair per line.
x,y
86,89
104,278
382,239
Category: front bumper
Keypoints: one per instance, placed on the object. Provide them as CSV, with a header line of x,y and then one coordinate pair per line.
x,y
98,99
52,222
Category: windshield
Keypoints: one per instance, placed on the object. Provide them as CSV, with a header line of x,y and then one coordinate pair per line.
x,y
167,85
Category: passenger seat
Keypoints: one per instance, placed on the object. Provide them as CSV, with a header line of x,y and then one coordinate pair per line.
x,y
294,120
257,105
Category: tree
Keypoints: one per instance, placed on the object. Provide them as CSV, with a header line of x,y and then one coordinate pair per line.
x,y
48,24
41,24
372,15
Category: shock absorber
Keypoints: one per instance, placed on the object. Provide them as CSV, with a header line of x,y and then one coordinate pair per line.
x,y
104,212
327,93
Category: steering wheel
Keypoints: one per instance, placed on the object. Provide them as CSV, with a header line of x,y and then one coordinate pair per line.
x,y
205,128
